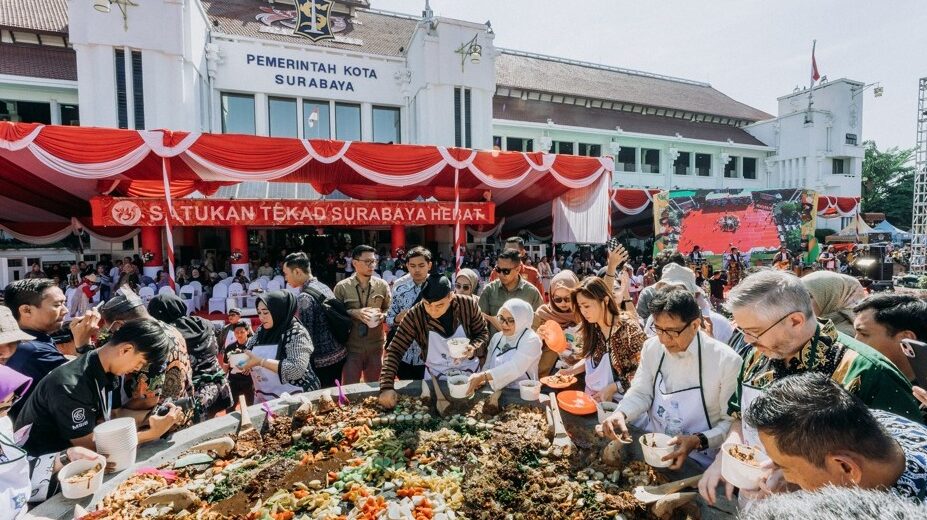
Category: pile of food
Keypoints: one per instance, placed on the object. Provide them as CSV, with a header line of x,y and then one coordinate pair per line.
x,y
356,462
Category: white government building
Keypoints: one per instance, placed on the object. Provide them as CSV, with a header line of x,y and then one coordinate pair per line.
x,y
237,66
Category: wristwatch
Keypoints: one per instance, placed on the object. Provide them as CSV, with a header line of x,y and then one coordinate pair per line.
x,y
702,441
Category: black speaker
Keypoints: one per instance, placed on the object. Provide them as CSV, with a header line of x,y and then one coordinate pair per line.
x,y
871,264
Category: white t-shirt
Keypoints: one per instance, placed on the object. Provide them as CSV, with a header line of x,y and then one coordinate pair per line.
x,y
348,266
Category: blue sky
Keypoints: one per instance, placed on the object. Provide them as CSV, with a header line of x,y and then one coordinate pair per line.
x,y
753,51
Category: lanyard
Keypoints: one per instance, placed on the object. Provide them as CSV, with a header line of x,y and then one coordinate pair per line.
x,y
611,329
106,401
369,290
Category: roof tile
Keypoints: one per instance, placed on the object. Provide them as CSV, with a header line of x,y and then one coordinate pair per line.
x,y
37,15
38,61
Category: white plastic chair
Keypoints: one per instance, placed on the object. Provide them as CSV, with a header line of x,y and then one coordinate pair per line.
x,y
226,282
188,295
263,281
223,275
146,294
166,290
253,286
236,289
199,295
274,285
218,301
280,279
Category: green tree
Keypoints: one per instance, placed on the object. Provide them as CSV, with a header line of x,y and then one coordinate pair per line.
x,y
888,183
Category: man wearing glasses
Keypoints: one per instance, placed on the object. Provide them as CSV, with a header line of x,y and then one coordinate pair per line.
x,y
683,383
510,284
367,299
774,313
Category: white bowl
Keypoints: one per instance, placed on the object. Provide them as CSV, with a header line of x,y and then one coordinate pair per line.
x,y
739,473
114,428
458,385
120,460
529,389
605,410
458,347
652,455
84,487
237,360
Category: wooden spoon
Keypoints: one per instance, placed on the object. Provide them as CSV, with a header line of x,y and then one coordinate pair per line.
x,y
651,494
441,402
247,431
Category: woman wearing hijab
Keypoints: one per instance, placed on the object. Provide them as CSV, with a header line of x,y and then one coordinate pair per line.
x,y
559,310
833,296
279,353
467,283
514,351
211,387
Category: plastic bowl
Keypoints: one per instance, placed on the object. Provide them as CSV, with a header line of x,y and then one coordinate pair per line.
x,y
741,474
86,486
458,347
458,386
653,454
576,402
553,336
237,360
605,410
530,390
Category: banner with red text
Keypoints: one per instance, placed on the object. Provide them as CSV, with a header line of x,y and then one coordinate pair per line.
x,y
114,211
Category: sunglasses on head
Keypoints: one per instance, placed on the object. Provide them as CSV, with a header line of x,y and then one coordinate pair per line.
x,y
502,270
462,287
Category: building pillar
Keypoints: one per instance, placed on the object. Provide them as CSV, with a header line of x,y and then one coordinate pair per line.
x,y
398,238
151,243
238,239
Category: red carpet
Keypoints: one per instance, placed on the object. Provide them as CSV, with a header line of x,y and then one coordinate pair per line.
x,y
757,230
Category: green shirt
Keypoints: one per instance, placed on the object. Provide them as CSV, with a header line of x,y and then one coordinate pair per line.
x,y
859,368
495,294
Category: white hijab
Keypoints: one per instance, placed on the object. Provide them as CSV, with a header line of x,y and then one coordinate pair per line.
x,y
523,314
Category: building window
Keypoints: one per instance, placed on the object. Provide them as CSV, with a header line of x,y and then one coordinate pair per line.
x,y
282,115
70,115
626,159
25,112
703,164
681,164
561,147
386,125
237,114
122,100
316,120
730,169
462,120
851,139
839,166
749,167
347,122
590,150
138,91
650,160
519,144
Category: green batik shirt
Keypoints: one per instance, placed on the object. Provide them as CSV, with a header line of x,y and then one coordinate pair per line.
x,y
859,368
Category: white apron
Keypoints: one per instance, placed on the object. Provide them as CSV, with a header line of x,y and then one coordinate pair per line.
x,y
15,481
599,377
682,412
498,357
439,359
747,395
267,384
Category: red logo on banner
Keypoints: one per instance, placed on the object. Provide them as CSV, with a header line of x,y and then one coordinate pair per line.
x,y
110,211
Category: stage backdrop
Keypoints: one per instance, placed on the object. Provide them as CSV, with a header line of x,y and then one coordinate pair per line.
x,y
757,222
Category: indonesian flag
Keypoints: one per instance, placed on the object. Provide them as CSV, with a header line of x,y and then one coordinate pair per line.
x,y
313,117
814,65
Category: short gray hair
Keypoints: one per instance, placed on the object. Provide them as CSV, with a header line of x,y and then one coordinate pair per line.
x,y
834,503
777,290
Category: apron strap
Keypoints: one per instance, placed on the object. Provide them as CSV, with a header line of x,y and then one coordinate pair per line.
x,y
701,387
653,391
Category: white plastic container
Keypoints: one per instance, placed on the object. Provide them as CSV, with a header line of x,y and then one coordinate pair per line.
x,y
741,474
85,487
117,440
605,410
529,390
653,454
458,386
237,360
458,347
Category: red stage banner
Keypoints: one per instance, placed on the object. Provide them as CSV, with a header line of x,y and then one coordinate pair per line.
x,y
115,211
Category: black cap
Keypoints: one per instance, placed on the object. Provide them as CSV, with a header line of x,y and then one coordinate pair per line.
x,y
235,310
122,302
436,288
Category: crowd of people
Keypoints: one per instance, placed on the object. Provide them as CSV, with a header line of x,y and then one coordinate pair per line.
x,y
811,370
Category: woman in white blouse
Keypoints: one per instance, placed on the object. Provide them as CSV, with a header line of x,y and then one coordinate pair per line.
x,y
514,352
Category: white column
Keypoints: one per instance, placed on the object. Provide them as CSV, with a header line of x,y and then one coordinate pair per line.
x,y
366,121
55,108
260,114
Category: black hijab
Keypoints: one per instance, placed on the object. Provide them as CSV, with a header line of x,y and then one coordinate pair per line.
x,y
282,307
196,332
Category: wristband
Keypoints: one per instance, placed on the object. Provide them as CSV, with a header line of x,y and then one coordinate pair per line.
x,y
702,441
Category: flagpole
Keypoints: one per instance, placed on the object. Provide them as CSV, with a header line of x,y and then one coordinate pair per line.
x,y
808,117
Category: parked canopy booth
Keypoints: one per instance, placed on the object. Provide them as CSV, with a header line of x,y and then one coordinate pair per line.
x,y
53,175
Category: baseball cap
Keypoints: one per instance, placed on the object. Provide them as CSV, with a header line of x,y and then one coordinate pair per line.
x,y
678,275
9,329
234,310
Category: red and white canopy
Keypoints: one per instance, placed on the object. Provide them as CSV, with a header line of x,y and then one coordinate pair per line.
x,y
50,172
830,206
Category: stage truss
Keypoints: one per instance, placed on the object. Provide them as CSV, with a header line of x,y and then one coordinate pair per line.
x,y
919,224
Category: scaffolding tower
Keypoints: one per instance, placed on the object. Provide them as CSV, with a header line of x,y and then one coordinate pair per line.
x,y
919,224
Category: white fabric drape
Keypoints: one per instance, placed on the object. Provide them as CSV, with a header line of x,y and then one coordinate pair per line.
x,y
582,215
482,235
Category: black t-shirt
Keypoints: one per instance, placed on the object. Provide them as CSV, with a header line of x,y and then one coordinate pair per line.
x,y
717,287
67,404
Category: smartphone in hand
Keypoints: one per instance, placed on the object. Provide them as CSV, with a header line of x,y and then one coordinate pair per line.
x,y
916,352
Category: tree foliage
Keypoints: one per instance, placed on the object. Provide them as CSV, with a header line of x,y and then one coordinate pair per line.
x,y
888,183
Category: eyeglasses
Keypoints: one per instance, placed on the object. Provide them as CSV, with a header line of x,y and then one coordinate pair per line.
x,y
671,333
769,328
461,287
371,262
503,271
559,299
506,321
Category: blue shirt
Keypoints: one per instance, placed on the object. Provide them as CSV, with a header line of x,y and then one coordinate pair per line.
x,y
913,440
35,359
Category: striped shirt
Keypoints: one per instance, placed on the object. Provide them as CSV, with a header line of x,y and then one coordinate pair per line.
x,y
416,325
